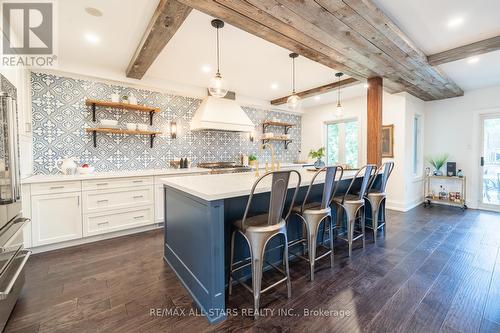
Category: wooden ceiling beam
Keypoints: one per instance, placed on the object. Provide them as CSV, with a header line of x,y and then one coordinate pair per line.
x,y
166,20
318,90
352,36
465,51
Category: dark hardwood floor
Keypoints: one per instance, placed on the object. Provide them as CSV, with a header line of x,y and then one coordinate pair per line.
x,y
438,270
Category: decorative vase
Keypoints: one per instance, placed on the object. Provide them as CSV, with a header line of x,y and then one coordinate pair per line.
x,y
460,173
319,163
132,99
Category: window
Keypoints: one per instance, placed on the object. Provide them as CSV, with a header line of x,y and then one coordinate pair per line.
x,y
342,143
416,145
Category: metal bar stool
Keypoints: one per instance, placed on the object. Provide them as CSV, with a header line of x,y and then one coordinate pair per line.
x,y
353,205
375,197
258,230
312,214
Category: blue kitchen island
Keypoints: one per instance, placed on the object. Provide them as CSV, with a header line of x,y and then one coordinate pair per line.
x,y
199,211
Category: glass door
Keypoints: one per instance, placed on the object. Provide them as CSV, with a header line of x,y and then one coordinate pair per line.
x,y
490,162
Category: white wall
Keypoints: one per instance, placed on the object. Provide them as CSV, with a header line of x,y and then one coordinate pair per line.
x,y
404,191
453,126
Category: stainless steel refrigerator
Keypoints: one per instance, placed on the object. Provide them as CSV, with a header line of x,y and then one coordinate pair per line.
x,y
13,257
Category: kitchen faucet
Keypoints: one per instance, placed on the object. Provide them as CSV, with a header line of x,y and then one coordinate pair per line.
x,y
273,166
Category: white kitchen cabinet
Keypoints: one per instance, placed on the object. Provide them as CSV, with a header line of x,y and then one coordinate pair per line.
x,y
159,209
112,199
56,217
109,221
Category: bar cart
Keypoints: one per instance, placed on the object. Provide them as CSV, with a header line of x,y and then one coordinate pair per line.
x,y
452,198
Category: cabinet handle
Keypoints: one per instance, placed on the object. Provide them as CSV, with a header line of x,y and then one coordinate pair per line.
x,y
78,198
56,187
99,201
102,184
137,181
138,196
102,223
138,217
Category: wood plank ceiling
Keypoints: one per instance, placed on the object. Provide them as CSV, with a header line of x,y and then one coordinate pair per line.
x,y
352,36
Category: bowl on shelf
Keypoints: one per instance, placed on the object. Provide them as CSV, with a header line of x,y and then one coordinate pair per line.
x,y
108,123
131,126
86,170
142,127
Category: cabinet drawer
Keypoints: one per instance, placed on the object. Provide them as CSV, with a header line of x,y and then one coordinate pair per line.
x,y
99,223
56,187
99,184
102,200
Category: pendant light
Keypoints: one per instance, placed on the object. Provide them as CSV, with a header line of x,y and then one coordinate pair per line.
x,y
294,100
340,108
217,86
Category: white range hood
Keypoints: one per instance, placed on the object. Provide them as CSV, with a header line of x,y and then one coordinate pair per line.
x,y
221,114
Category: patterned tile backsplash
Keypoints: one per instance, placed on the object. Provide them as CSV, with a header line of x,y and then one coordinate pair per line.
x,y
60,117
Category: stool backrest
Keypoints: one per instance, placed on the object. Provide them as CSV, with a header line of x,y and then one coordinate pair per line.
x,y
369,171
387,168
329,186
277,198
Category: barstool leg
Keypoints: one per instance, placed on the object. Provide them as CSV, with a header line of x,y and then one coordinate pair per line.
x,y
362,212
311,242
350,232
331,240
230,287
375,221
287,268
257,250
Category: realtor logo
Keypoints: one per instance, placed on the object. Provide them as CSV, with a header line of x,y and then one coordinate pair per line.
x,y
28,33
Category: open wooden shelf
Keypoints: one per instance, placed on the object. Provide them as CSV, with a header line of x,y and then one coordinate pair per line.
x,y
115,105
268,123
121,106
94,131
286,141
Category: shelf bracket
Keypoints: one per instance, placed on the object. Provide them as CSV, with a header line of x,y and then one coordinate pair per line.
x,y
94,137
93,112
286,144
152,140
151,117
264,127
287,128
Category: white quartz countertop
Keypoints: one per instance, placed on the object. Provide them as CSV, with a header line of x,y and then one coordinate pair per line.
x,y
114,174
223,186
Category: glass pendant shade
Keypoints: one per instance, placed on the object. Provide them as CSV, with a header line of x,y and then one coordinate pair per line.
x,y
217,86
339,112
294,102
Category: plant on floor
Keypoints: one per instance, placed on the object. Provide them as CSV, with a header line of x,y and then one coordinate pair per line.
x,y
437,162
318,155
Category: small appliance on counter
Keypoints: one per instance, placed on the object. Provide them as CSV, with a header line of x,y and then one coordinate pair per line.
x,y
224,167
13,257
67,165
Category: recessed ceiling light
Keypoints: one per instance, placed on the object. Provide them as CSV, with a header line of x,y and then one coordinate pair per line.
x,y
455,22
93,11
91,38
274,86
206,68
317,97
366,85
473,60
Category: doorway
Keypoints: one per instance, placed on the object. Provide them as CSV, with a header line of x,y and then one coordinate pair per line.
x,y
490,162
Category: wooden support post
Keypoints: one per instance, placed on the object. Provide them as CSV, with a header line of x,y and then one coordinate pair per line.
x,y
374,121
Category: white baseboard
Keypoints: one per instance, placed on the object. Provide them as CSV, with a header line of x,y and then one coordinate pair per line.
x,y
85,240
401,206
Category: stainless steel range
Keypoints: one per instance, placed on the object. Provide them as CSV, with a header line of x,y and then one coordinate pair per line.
x,y
13,257
224,167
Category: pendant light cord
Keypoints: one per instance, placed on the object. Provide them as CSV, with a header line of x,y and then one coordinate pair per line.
x,y
218,70
293,76
338,99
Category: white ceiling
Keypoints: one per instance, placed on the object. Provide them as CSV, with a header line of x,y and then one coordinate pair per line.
x,y
250,64
426,23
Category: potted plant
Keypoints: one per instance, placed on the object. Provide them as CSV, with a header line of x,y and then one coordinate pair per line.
x,y
125,99
437,163
252,159
318,155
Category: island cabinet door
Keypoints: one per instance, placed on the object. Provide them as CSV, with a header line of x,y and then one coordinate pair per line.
x,y
56,218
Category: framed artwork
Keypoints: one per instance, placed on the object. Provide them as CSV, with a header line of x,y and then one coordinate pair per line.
x,y
388,141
